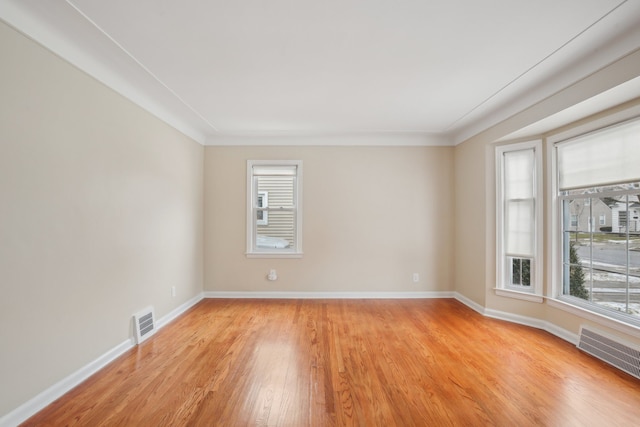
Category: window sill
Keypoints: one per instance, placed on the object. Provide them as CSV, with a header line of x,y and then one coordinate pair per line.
x,y
273,254
602,319
509,293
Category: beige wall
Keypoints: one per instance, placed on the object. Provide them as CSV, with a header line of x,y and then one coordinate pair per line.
x,y
470,218
372,216
100,215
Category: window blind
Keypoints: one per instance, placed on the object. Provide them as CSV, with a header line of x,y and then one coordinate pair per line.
x,y
519,197
608,156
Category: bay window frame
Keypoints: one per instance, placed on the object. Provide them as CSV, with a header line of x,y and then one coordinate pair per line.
x,y
504,259
555,253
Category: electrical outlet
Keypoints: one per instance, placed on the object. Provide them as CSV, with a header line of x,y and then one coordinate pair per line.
x,y
416,277
173,291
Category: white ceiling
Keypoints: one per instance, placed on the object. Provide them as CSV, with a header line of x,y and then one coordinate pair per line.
x,y
441,70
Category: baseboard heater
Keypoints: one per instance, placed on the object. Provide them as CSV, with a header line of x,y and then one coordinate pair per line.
x,y
610,349
144,324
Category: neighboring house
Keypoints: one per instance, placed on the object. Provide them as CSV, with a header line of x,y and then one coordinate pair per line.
x,y
600,214
623,217
590,215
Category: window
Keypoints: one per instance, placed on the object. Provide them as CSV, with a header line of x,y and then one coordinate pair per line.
x,y
599,269
519,220
622,219
263,202
274,211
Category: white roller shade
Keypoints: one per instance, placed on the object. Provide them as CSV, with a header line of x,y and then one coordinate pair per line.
x,y
519,193
279,170
518,170
520,228
608,156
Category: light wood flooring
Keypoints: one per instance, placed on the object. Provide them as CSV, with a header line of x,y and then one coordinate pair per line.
x,y
385,363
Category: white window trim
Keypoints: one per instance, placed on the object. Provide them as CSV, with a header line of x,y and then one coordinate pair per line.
x,y
533,293
554,259
252,251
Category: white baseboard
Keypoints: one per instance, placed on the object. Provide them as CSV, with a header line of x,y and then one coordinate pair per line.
x,y
329,295
522,320
515,318
469,303
562,333
167,318
39,402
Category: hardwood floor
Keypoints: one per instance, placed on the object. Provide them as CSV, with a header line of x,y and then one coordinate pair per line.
x,y
348,362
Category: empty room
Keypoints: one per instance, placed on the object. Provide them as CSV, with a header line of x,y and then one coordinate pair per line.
x,y
278,213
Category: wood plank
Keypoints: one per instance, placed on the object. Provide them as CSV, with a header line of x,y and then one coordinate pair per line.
x,y
348,363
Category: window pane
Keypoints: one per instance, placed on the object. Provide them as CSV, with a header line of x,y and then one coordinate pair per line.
x,y
579,215
603,266
610,287
279,231
520,227
275,221
634,274
521,271
279,188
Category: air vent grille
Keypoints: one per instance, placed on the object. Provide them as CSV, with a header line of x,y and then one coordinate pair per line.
x,y
611,350
144,324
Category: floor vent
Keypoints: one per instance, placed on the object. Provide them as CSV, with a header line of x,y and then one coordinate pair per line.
x,y
611,350
144,324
